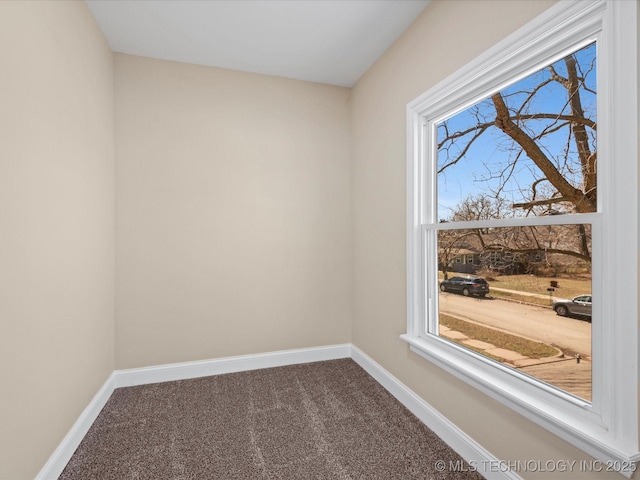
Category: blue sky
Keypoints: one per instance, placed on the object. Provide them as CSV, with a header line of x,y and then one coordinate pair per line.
x,y
492,151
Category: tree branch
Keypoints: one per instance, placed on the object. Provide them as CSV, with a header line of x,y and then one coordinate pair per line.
x,y
458,157
537,203
587,160
573,119
571,253
504,123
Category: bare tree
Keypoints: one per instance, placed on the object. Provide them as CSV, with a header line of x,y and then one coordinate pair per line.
x,y
450,244
533,143
480,207
546,132
512,249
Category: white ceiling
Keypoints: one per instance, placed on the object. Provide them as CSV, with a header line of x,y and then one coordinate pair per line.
x,y
326,41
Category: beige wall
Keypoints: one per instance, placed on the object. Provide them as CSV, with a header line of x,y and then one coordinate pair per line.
x,y
233,213
444,38
56,225
253,214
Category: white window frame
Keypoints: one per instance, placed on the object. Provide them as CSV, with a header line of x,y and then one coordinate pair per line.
x,y
606,427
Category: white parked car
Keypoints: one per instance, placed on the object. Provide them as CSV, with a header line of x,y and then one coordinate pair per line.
x,y
580,306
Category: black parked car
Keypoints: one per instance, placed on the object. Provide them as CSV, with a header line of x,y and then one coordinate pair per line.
x,y
580,306
466,286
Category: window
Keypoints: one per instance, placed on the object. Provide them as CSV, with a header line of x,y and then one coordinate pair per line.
x,y
501,160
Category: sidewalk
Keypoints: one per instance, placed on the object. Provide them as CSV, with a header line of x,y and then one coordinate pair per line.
x,y
524,294
507,356
562,372
565,373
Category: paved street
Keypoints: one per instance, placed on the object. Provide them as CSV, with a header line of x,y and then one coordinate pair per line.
x,y
536,323
570,376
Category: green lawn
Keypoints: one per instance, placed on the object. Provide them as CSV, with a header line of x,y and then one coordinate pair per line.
x,y
498,338
569,287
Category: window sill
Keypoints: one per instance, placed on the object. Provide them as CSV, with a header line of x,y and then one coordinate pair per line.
x,y
571,418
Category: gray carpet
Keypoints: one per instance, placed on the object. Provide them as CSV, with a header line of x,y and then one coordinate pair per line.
x,y
325,420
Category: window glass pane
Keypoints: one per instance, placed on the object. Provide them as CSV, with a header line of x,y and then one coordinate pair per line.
x,y
525,300
529,149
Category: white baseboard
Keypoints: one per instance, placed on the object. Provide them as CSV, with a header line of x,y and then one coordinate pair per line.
x,y
477,456
177,371
467,448
61,456
205,368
